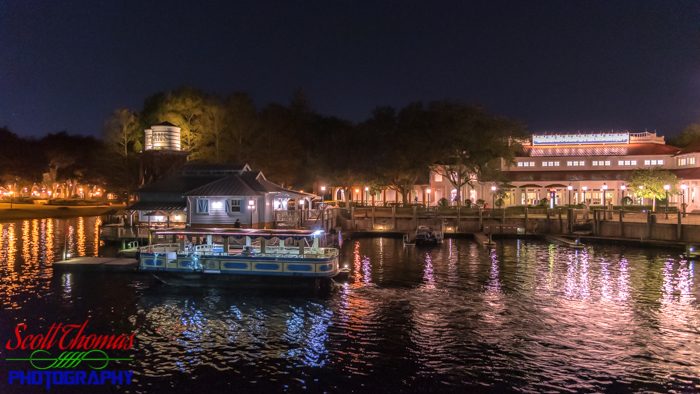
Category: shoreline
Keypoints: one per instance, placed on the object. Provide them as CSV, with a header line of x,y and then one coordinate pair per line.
x,y
29,211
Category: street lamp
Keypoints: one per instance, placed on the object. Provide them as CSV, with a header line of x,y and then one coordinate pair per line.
x,y
684,187
552,197
569,188
251,208
357,193
366,195
666,189
427,191
323,193
493,196
302,216
622,188
584,193
641,199
605,188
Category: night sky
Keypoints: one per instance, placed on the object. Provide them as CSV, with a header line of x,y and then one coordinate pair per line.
x,y
560,65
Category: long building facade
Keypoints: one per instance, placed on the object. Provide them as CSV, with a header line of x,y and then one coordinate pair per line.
x,y
593,168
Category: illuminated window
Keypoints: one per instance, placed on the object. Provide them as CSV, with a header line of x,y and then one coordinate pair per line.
x,y
627,162
550,164
600,163
686,161
526,164
202,206
575,163
438,178
653,162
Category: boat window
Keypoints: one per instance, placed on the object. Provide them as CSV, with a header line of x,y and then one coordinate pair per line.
x,y
203,206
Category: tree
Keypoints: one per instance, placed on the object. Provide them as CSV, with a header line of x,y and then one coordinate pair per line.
x,y
277,148
183,107
211,125
121,131
649,183
689,136
240,125
472,143
397,155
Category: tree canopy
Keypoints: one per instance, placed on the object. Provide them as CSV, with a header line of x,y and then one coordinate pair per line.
x,y
291,143
649,183
689,136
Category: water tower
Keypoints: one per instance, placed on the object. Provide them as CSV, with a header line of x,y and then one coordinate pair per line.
x,y
162,152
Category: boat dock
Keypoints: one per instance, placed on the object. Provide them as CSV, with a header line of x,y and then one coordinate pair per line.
x,y
484,240
572,243
96,264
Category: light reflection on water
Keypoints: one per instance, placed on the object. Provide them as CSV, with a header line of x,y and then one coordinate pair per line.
x,y
28,277
528,315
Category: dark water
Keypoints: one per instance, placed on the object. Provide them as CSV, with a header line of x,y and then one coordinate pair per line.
x,y
528,317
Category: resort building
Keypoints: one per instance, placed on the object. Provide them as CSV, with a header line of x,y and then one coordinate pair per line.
x,y
202,195
594,168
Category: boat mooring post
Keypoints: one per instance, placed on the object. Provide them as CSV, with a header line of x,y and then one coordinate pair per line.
x,y
526,220
65,241
622,223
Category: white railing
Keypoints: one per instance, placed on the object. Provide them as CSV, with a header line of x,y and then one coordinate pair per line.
x,y
160,248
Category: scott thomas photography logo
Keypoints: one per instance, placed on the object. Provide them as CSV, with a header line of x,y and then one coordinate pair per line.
x,y
66,355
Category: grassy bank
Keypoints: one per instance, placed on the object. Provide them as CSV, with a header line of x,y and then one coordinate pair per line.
x,y
33,211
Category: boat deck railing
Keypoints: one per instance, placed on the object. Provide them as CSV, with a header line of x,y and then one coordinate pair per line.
x,y
218,250
160,248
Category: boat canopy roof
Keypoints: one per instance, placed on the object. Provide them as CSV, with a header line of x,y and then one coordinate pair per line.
x,y
243,232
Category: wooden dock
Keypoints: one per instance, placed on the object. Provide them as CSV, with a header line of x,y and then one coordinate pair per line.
x,y
96,264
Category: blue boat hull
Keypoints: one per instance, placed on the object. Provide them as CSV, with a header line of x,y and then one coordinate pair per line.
x,y
240,266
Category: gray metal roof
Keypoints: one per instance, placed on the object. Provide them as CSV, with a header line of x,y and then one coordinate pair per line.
x,y
178,184
158,206
232,185
249,183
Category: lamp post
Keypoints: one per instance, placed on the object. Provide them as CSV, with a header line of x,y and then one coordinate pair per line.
x,y
552,198
641,199
684,187
357,193
493,196
605,188
666,189
301,212
427,191
584,188
622,188
366,195
569,188
251,208
323,193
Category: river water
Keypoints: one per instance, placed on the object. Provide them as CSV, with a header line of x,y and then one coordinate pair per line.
x,y
528,316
